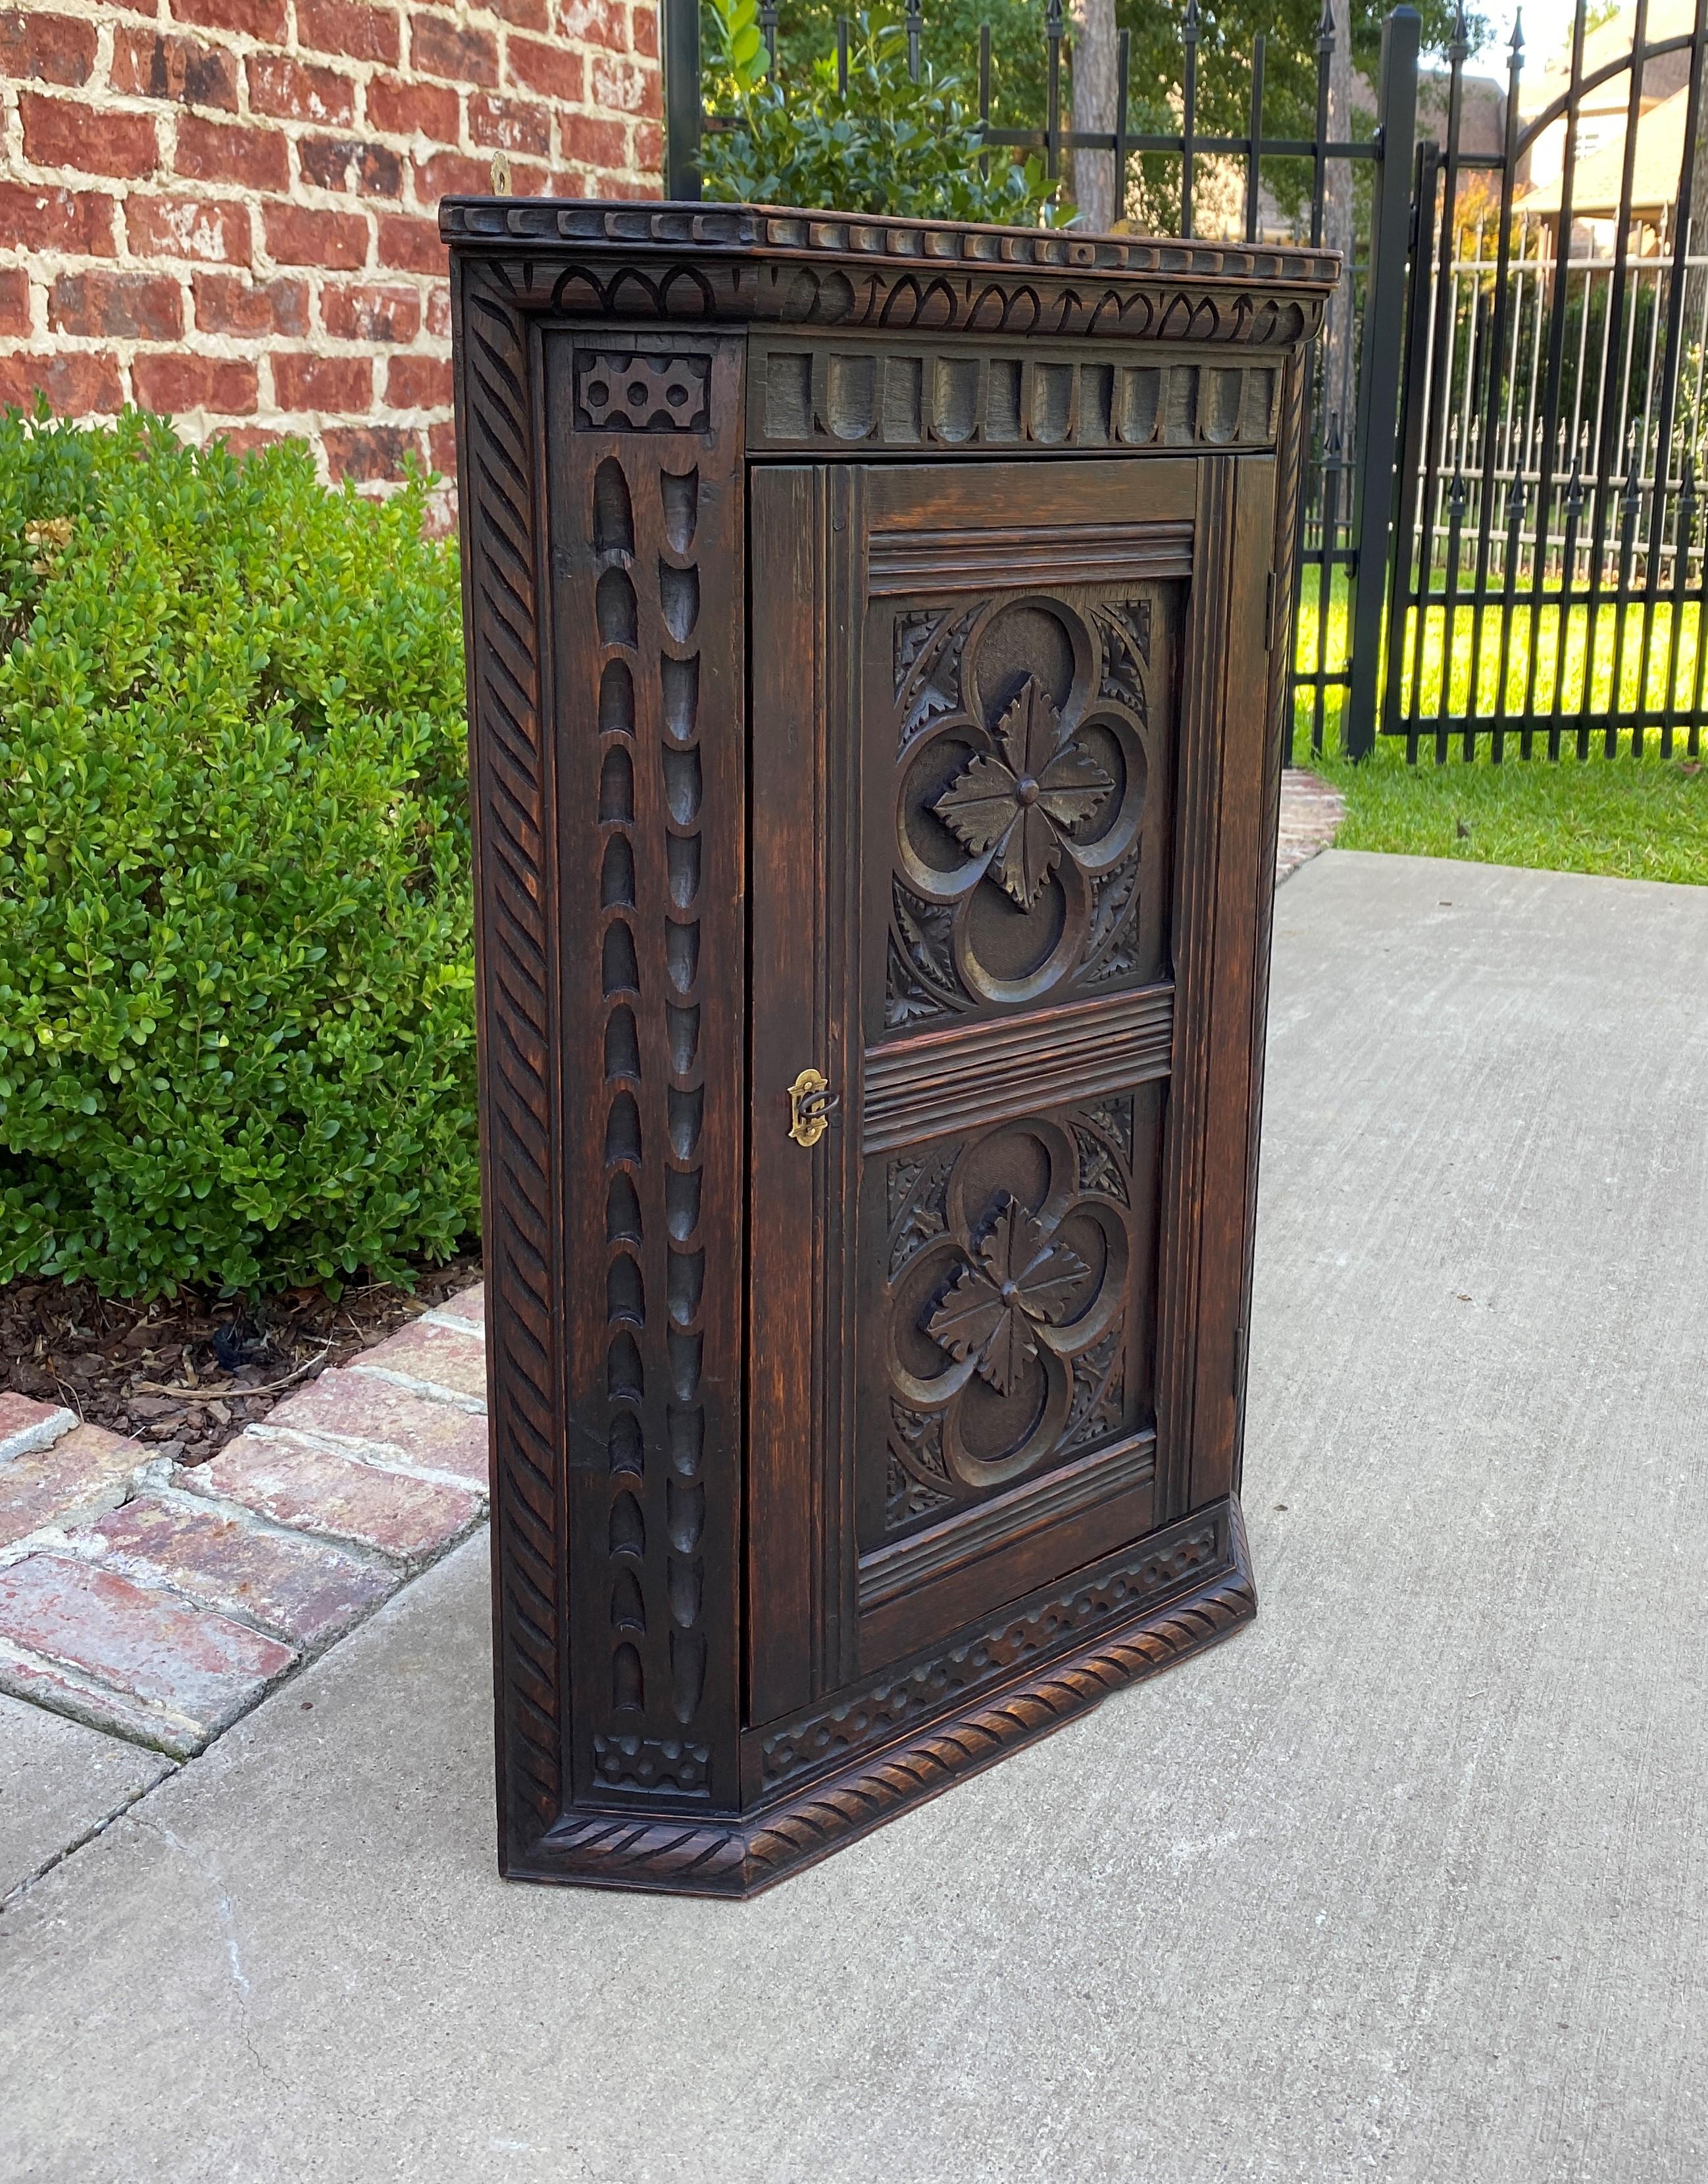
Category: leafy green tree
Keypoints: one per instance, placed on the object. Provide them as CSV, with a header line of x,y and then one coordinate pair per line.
x,y
882,144
1227,33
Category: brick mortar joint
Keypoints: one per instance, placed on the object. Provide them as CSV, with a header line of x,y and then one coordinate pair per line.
x,y
385,1457
432,1391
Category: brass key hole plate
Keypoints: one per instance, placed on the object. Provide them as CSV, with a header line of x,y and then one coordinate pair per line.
x,y
811,1102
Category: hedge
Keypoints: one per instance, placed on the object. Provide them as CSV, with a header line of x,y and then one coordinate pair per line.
x,y
236,1040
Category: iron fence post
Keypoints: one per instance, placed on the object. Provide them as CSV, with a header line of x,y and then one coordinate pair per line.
x,y
682,116
1378,377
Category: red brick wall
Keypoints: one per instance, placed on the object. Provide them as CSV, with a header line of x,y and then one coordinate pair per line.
x,y
224,208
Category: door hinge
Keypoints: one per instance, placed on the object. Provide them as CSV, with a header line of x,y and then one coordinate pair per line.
x,y
1269,613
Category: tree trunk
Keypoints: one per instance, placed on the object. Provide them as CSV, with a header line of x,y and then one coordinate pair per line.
x,y
1096,190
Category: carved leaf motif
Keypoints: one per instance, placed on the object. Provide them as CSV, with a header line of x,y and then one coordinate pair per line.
x,y
1115,1118
916,1479
1124,633
922,1437
1018,1281
1111,951
928,649
906,1497
921,980
903,1176
1022,803
914,631
1097,1391
1098,1169
917,1204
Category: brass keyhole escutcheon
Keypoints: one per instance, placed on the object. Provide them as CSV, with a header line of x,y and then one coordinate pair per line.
x,y
811,1102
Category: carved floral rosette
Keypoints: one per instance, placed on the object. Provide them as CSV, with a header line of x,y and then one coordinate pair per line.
x,y
1008,1262
1023,733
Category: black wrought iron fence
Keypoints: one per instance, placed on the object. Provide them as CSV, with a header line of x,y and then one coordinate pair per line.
x,y
1502,533
1549,583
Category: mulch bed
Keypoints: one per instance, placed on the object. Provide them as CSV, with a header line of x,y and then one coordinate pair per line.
x,y
188,1374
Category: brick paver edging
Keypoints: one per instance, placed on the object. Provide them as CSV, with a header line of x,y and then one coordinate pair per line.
x,y
1311,812
159,1603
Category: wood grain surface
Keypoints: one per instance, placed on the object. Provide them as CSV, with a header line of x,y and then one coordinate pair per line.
x,y
872,630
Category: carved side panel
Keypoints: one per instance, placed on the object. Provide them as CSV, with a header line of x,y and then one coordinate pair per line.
x,y
514,789
646,563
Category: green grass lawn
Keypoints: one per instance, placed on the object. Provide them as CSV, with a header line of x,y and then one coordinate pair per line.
x,y
1639,818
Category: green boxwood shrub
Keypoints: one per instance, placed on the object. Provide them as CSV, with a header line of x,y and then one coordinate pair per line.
x,y
237,1040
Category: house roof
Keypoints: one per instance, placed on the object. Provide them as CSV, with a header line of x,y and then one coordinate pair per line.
x,y
1610,42
1595,189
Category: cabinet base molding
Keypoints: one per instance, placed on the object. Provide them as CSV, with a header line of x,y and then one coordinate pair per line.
x,y
689,1853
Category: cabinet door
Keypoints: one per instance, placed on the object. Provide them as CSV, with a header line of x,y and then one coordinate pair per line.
x,y
1008,732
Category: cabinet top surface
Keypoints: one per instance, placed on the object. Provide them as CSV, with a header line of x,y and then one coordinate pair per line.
x,y
589,259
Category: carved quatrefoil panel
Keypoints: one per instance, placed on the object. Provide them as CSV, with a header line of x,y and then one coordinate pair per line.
x,y
1009,1259
1023,739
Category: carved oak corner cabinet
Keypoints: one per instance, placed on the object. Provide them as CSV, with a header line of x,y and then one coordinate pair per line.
x,y
876,639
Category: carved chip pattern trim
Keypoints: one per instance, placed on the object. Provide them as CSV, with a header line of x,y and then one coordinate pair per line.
x,y
618,391
736,1858
889,276
890,1702
652,1763
930,244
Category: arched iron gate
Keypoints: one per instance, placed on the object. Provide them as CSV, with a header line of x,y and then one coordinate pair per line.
x,y
1547,584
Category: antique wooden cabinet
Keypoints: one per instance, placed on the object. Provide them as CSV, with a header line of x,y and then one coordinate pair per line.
x,y
876,641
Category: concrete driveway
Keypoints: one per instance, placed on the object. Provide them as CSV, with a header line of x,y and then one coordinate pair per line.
x,y
1408,1881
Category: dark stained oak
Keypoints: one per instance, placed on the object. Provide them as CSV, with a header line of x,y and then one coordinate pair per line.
x,y
876,637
